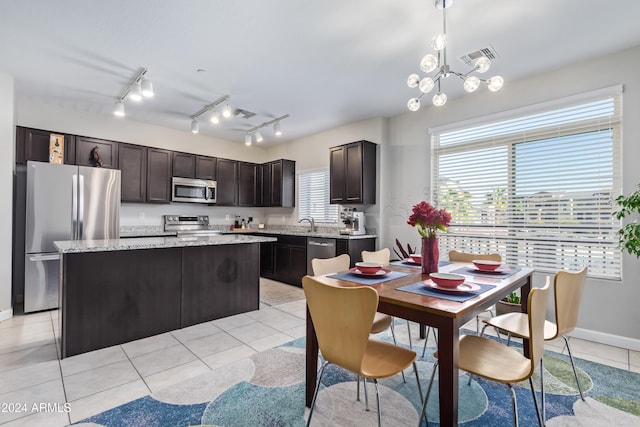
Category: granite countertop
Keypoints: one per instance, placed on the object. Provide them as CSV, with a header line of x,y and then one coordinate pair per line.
x,y
124,244
324,234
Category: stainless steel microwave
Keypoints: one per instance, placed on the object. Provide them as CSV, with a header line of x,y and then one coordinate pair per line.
x,y
193,190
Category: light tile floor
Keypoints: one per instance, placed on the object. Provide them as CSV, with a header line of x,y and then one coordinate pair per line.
x,y
36,388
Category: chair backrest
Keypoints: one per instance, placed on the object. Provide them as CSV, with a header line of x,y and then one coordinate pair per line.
x,y
383,256
537,308
322,266
456,256
568,287
342,318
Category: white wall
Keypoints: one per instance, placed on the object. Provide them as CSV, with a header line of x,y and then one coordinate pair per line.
x,y
7,162
608,307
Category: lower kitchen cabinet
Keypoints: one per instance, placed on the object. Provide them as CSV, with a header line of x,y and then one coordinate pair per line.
x,y
284,260
354,248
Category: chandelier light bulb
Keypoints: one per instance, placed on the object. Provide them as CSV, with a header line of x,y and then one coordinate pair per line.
x,y
482,64
426,85
413,80
439,41
428,63
439,99
413,104
495,83
471,83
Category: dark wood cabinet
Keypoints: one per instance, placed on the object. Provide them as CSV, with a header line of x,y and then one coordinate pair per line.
x,y
33,144
284,260
158,175
206,167
184,165
275,184
352,170
247,184
227,179
354,248
106,150
132,160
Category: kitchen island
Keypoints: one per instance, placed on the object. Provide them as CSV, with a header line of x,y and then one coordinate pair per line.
x,y
119,290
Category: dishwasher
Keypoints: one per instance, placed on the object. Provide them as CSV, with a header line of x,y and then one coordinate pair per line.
x,y
318,247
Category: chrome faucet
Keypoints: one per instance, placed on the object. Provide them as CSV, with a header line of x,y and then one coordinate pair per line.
x,y
313,224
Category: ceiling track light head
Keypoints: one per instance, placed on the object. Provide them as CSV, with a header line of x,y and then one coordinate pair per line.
x,y
247,139
195,127
118,108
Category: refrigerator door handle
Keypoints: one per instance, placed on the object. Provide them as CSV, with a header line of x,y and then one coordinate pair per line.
x,y
50,257
80,207
74,207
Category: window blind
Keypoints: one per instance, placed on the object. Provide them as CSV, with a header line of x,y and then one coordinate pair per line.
x,y
313,197
537,188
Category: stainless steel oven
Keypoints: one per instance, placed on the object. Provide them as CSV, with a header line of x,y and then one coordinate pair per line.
x,y
193,190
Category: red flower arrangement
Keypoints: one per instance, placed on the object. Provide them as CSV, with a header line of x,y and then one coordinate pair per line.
x,y
428,219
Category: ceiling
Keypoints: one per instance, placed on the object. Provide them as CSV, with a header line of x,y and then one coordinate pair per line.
x,y
325,62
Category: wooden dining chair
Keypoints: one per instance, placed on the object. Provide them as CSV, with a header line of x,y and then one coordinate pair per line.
x,y
457,256
495,361
381,321
568,287
342,318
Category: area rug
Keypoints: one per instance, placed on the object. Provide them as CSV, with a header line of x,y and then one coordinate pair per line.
x,y
276,293
267,389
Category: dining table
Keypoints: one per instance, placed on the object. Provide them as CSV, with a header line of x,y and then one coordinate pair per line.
x,y
409,294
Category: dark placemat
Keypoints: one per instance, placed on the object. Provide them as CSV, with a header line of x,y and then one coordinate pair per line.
x,y
422,289
408,264
476,272
362,280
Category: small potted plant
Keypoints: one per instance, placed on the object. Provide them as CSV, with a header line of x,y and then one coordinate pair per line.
x,y
510,304
629,235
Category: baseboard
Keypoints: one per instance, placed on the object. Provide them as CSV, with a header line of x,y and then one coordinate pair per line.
x,y
6,314
608,339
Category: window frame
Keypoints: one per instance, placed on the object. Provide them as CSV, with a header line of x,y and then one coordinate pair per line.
x,y
330,211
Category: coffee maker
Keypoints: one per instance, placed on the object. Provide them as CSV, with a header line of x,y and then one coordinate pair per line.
x,y
353,221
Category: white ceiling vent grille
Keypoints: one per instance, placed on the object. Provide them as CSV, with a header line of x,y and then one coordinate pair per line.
x,y
470,58
244,113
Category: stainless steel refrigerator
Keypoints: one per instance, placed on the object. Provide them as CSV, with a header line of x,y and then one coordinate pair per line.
x,y
64,202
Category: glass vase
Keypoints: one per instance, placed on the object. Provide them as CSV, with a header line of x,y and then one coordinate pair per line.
x,y
429,255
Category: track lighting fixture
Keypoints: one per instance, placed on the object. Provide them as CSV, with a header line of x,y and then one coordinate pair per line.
x,y
277,130
226,112
247,139
138,88
195,127
215,117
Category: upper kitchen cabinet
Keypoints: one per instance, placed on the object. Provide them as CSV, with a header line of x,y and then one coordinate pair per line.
x,y
206,167
282,183
247,185
159,175
132,160
33,144
184,165
95,152
227,179
352,170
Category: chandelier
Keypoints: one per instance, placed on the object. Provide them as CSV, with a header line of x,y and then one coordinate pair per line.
x,y
431,62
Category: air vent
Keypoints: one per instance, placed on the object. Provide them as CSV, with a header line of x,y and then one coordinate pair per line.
x,y
244,113
470,58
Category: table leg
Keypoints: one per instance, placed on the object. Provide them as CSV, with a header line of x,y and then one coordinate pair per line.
x,y
448,351
312,360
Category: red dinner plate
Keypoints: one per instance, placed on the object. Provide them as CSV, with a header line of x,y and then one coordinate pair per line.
x,y
500,269
465,287
380,272
410,261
